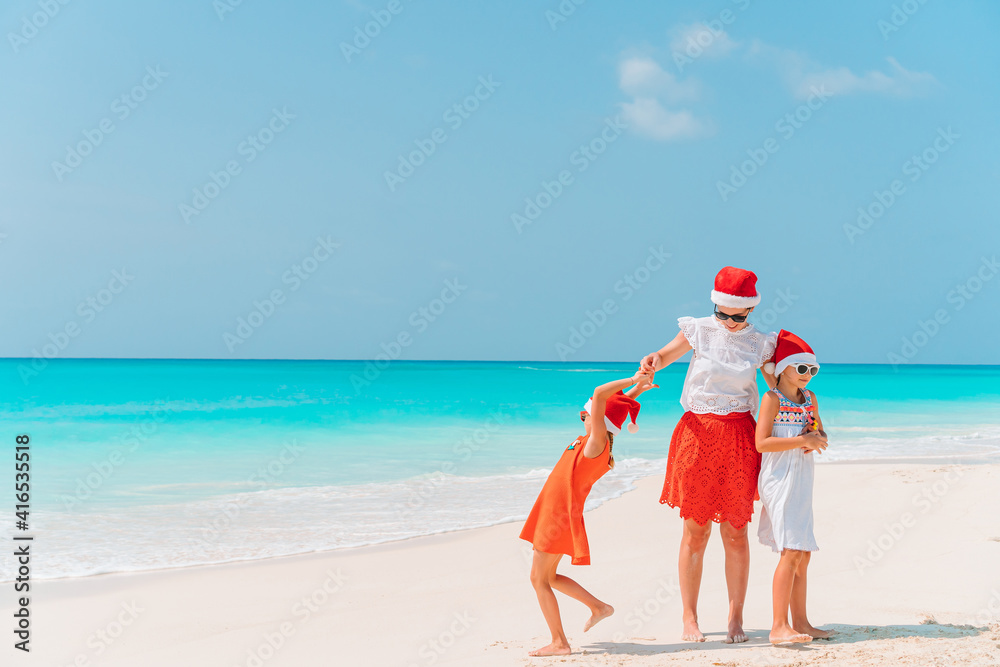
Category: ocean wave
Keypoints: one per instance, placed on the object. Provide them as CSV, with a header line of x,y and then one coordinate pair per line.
x,y
237,524
286,521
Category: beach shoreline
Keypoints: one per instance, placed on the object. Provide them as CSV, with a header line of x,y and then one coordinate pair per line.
x,y
463,597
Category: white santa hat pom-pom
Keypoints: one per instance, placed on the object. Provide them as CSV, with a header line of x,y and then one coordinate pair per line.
x,y
632,427
769,368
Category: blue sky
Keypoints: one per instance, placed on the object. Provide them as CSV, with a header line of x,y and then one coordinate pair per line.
x,y
240,162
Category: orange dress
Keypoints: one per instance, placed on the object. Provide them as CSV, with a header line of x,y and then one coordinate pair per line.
x,y
555,524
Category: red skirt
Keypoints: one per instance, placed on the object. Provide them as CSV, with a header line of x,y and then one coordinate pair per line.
x,y
712,468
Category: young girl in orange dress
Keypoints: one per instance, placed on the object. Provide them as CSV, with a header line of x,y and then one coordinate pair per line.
x,y
555,526
713,463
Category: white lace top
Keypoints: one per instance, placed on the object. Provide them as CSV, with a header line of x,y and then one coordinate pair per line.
x,y
722,376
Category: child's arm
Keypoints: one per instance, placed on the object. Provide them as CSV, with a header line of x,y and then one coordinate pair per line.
x,y
767,443
641,387
598,429
667,355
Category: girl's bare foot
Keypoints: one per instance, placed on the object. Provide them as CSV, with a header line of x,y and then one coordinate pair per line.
x,y
552,649
736,634
598,616
692,633
788,636
815,633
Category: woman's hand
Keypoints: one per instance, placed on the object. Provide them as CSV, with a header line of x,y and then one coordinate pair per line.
x,y
648,363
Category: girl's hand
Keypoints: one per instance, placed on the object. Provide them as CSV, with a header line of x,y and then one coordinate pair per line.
x,y
814,441
644,381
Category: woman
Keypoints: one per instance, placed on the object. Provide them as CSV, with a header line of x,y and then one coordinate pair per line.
x,y
713,463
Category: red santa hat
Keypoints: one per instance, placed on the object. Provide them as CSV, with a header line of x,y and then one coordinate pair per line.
x,y
735,288
617,408
789,351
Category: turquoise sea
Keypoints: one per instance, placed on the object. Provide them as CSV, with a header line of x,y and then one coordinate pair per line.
x,y
146,464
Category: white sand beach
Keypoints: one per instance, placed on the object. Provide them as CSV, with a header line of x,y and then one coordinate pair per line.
x,y
908,573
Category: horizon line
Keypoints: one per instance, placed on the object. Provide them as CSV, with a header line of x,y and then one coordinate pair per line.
x,y
454,361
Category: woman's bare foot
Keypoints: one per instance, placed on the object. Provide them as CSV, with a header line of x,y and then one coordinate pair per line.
x,y
552,649
736,634
598,616
787,635
815,633
692,633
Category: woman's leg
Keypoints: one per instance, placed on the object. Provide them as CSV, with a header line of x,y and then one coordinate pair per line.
x,y
737,577
781,591
797,604
543,572
692,558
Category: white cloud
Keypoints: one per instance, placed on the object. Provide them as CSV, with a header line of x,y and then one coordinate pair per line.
x,y
651,87
697,39
642,76
899,82
647,116
803,75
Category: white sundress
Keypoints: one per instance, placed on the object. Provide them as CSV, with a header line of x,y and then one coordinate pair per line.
x,y
786,484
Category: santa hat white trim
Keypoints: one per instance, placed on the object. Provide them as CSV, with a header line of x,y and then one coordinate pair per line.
x,y
730,301
793,360
607,422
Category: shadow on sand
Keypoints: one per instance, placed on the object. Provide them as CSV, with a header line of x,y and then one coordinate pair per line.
x,y
846,634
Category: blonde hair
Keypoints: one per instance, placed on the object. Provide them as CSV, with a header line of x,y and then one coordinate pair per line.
x,y
611,455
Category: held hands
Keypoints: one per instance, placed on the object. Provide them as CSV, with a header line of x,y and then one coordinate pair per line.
x,y
814,435
644,380
648,363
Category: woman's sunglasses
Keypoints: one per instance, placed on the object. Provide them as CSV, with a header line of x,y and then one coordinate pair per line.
x,y
734,318
803,369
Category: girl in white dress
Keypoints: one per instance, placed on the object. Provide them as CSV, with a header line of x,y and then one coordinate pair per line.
x,y
788,433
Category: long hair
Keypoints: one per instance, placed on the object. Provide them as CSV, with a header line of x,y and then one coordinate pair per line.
x,y
611,455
